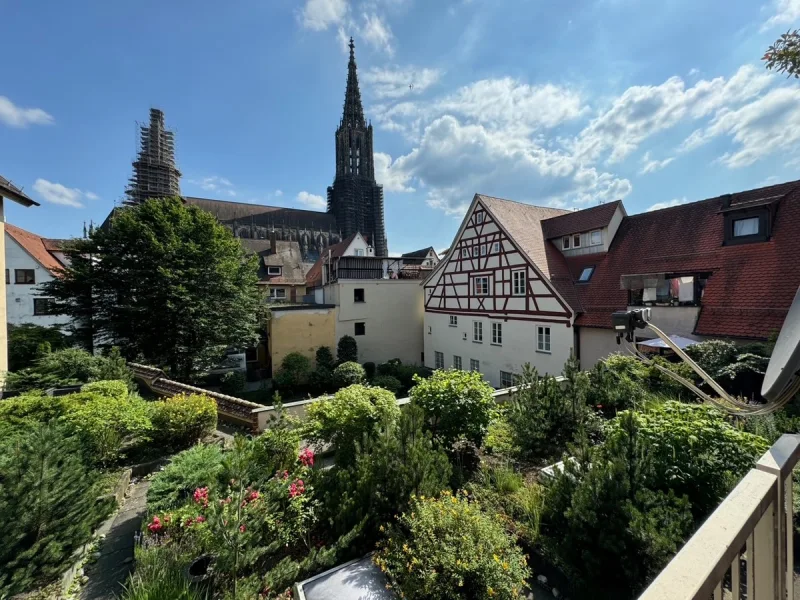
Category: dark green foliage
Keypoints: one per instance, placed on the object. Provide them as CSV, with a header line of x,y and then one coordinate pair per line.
x,y
321,381
293,375
193,468
48,504
277,448
458,405
29,342
388,382
739,369
324,358
182,420
347,349
784,55
369,370
348,373
159,574
70,367
232,383
612,391
167,283
403,373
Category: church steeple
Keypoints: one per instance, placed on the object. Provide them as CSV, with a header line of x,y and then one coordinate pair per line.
x,y
353,114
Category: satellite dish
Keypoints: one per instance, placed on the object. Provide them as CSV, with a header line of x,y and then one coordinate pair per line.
x,y
785,362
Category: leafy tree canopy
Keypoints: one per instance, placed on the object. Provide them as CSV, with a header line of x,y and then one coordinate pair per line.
x,y
784,55
28,342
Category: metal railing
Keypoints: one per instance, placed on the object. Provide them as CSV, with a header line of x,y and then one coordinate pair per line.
x,y
744,549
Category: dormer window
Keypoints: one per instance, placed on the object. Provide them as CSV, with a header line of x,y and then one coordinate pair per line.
x,y
566,242
596,238
749,222
745,227
576,240
272,271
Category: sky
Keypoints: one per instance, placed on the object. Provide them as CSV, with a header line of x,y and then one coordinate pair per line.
x,y
551,103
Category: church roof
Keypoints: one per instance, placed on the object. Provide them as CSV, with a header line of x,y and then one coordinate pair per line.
x,y
261,214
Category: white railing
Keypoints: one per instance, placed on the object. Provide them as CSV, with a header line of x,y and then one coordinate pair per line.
x,y
744,549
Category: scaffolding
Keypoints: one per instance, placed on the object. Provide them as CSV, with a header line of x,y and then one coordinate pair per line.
x,y
154,172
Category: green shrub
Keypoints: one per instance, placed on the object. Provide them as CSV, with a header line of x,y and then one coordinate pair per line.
x,y
390,367
324,358
183,419
103,423
232,383
503,479
347,349
458,405
369,370
447,549
348,373
350,416
294,373
321,380
159,574
387,382
48,504
199,466
500,436
33,409
113,389
277,448
713,355
613,390
28,342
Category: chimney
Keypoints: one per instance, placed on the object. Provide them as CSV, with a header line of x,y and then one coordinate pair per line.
x,y
273,242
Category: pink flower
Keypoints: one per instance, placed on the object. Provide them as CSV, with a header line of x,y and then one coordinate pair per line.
x,y
307,457
285,475
189,522
155,526
242,528
201,496
200,519
297,488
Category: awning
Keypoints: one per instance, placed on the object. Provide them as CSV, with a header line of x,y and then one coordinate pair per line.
x,y
680,342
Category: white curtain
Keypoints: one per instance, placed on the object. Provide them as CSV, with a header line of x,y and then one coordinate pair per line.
x,y
745,227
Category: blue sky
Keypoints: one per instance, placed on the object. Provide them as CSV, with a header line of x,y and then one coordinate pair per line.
x,y
563,104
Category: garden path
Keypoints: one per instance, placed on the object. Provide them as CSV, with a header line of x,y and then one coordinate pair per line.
x,y
108,574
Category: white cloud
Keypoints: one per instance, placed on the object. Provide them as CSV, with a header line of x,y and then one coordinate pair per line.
x,y
16,116
787,12
377,33
312,201
55,193
215,183
318,15
693,72
393,180
650,165
278,193
91,196
670,204
394,81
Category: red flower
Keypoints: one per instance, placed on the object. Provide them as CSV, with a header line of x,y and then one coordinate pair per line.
x,y
242,528
307,457
200,519
189,522
285,475
201,496
297,488
155,526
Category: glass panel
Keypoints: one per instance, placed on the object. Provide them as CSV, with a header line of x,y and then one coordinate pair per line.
x,y
565,243
586,274
597,238
745,227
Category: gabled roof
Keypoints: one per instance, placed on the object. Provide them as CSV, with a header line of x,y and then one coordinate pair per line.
x,y
37,247
261,214
418,253
287,255
751,286
12,192
587,219
314,275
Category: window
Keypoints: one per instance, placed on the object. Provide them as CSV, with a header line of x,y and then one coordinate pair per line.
x,y
457,362
543,339
484,247
277,293
497,334
24,276
475,250
8,277
358,295
464,253
273,270
361,329
586,274
479,217
430,329
596,238
565,242
474,365
518,277
506,379
43,306
453,321
743,227
480,286
438,360
576,240
359,252
477,331
496,247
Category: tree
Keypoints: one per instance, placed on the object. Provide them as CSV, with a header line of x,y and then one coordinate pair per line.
x,y
347,350
28,342
784,55
167,283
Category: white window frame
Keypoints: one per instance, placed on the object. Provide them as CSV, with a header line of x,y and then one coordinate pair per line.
x,y
497,334
565,242
514,282
474,365
453,321
274,295
543,339
576,237
456,362
271,270
484,249
599,241
506,382
479,218
430,329
477,332
465,253
478,288
496,247
475,251
359,252
438,360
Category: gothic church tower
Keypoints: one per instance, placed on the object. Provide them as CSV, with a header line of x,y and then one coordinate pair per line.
x,y
355,198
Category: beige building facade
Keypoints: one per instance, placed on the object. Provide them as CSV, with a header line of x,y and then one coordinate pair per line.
x,y
300,328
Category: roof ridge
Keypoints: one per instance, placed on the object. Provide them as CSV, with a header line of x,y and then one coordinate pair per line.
x,y
565,211
316,212
575,212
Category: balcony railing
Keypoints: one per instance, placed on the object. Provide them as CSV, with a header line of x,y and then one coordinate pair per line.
x,y
371,267
744,549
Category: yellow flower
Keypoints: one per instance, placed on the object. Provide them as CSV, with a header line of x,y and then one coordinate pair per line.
x,y
496,558
382,528
505,566
491,591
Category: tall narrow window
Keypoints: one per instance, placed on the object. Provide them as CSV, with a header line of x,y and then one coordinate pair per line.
x,y
465,253
565,242
453,321
479,218
496,247
518,278
480,285
438,360
576,240
543,339
483,249
474,365
477,331
596,238
475,250
497,334
457,362
358,295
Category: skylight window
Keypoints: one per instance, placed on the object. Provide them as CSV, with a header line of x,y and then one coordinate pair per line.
x,y
586,274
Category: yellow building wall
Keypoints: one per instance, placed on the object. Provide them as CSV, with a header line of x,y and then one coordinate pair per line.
x,y
300,331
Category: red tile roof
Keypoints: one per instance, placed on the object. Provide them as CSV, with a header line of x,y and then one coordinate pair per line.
x,y
751,285
588,219
36,246
314,275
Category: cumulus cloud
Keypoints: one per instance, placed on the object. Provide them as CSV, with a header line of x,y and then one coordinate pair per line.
x,y
16,116
785,12
396,82
377,33
651,165
318,15
670,204
215,183
55,193
312,201
91,196
393,179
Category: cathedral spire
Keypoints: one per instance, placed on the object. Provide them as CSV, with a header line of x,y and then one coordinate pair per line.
x,y
353,115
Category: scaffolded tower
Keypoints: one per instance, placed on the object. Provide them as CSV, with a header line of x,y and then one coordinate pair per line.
x,y
355,198
154,172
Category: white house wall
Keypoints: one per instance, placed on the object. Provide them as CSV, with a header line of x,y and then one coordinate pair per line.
x,y
19,297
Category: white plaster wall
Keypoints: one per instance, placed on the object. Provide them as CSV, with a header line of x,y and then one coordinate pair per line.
x,y
586,248
392,312
595,345
613,226
358,243
19,298
518,347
